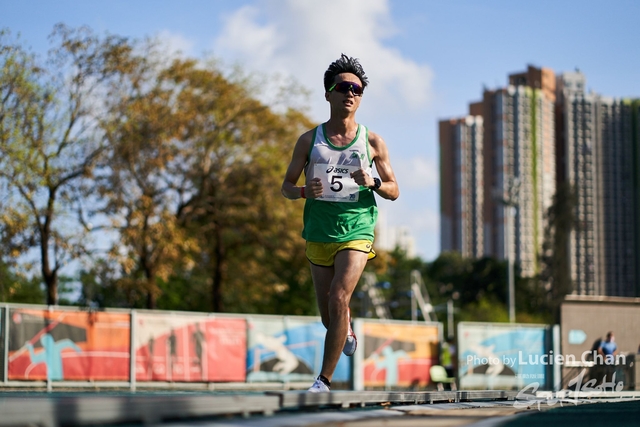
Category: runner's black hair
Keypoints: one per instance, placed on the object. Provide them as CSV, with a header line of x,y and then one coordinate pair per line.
x,y
344,64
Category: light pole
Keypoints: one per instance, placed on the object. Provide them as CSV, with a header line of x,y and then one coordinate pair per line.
x,y
510,203
450,318
449,308
511,212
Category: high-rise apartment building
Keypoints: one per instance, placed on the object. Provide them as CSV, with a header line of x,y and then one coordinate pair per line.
x,y
616,162
601,166
518,168
461,177
539,132
577,137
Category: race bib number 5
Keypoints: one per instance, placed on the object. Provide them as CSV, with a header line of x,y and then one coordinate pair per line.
x,y
337,184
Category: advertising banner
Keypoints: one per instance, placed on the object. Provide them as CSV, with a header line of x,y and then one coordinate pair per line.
x,y
189,348
503,356
399,355
68,345
289,349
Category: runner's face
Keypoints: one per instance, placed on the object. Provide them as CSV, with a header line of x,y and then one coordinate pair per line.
x,y
344,101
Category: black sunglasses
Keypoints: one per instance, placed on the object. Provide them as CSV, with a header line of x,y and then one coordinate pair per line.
x,y
345,87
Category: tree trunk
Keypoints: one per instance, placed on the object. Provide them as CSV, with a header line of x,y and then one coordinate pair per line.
x,y
150,276
50,275
52,289
217,274
151,299
151,285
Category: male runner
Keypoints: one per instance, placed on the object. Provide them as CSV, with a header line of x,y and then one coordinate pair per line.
x,y
340,211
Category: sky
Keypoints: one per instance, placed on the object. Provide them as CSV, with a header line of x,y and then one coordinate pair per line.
x,y
426,59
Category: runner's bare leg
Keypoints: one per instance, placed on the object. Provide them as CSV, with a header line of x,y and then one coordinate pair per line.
x,y
334,287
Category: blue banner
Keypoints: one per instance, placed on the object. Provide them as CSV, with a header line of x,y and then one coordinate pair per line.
x,y
288,349
503,356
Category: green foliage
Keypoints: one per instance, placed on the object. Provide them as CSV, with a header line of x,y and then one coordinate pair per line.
x,y
478,288
99,287
561,221
395,268
17,289
186,291
485,309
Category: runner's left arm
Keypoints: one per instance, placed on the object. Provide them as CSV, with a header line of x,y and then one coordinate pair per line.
x,y
389,188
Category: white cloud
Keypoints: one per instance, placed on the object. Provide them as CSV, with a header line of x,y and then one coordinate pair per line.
x,y
244,39
416,173
422,219
301,38
175,44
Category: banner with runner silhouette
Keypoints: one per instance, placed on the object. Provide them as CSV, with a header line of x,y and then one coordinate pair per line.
x,y
61,345
289,348
189,348
398,354
503,356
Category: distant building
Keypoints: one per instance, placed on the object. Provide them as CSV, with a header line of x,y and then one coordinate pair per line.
x,y
388,238
600,163
461,195
515,147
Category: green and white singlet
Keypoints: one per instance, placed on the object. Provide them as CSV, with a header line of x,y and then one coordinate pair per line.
x,y
346,210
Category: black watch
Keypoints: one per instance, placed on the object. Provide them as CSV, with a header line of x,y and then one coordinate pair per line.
x,y
376,184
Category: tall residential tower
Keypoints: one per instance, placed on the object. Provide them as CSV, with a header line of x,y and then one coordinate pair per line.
x,y
538,132
600,164
518,162
461,178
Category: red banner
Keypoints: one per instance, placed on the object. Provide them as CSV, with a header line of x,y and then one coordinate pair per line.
x,y
399,354
190,348
68,345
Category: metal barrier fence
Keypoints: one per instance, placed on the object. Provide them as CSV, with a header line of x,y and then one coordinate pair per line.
x,y
69,347
56,346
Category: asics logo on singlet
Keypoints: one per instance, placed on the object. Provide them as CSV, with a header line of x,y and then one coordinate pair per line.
x,y
337,170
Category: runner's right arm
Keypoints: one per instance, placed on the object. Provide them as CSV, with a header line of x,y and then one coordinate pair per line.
x,y
290,188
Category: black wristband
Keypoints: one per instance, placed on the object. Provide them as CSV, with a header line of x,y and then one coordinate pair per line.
x,y
376,184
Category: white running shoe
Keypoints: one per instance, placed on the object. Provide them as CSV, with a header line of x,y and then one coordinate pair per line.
x,y
319,387
352,342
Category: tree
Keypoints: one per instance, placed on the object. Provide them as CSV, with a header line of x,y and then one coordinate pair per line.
x,y
139,186
395,268
16,92
178,164
238,154
477,286
19,289
193,188
555,274
50,142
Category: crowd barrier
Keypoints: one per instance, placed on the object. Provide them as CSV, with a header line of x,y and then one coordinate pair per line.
x,y
70,346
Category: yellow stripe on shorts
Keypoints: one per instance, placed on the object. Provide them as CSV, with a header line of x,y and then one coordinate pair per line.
x,y
324,253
